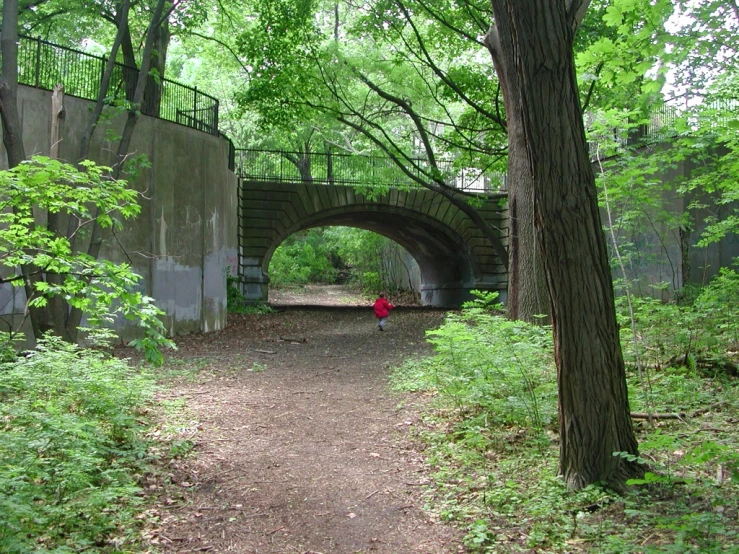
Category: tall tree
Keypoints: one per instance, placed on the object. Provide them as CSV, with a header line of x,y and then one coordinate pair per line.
x,y
536,45
74,315
12,133
13,136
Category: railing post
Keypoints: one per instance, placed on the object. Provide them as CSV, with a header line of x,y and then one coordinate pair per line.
x,y
103,63
215,117
195,108
37,76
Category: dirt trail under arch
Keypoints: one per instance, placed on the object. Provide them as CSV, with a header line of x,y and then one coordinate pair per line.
x,y
301,447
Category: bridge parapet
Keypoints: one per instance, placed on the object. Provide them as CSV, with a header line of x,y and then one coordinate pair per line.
x,y
361,171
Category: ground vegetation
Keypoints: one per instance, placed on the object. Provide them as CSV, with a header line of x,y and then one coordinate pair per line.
x,y
492,430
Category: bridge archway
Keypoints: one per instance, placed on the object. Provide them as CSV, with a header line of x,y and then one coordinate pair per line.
x,y
453,255
448,271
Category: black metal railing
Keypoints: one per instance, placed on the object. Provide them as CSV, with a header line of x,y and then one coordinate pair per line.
x,y
42,64
332,168
687,111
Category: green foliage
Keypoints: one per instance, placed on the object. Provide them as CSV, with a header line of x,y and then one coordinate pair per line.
x,y
235,300
484,301
479,536
719,309
237,303
373,79
256,367
622,60
493,459
303,258
103,290
73,448
659,147
276,43
367,260
377,263
703,330
369,282
500,372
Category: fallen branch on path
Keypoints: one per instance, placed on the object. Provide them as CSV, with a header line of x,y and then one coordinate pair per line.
x,y
676,415
294,340
640,415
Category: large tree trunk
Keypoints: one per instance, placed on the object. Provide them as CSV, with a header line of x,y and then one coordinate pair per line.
x,y
57,308
527,292
122,18
129,74
154,85
158,53
13,135
536,40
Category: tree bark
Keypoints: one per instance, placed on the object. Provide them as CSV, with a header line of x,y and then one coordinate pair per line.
x,y
536,39
129,55
302,160
527,292
13,134
57,308
154,86
122,18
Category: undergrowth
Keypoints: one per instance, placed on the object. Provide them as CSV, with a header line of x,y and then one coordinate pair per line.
x,y
237,303
491,443
74,447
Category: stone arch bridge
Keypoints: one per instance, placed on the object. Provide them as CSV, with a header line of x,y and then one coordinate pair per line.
x,y
453,254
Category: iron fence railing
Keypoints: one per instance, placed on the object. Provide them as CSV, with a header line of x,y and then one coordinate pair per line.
x,y
687,112
332,168
42,64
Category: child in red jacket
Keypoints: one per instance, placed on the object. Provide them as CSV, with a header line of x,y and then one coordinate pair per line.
x,y
382,309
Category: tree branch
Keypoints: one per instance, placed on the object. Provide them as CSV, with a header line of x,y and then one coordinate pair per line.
x,y
225,45
441,74
576,13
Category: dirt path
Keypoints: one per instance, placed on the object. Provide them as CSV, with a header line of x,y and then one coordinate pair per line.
x,y
302,448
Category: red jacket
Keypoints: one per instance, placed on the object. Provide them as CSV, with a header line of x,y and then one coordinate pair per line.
x,y
382,307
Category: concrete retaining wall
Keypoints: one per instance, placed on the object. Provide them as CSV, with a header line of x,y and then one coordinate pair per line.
x,y
660,256
185,239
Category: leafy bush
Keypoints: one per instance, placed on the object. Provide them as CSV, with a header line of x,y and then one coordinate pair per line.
x,y
370,282
376,263
487,365
365,259
718,307
679,334
101,289
236,302
71,441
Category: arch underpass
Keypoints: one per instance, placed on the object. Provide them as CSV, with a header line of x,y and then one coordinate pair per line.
x,y
453,255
